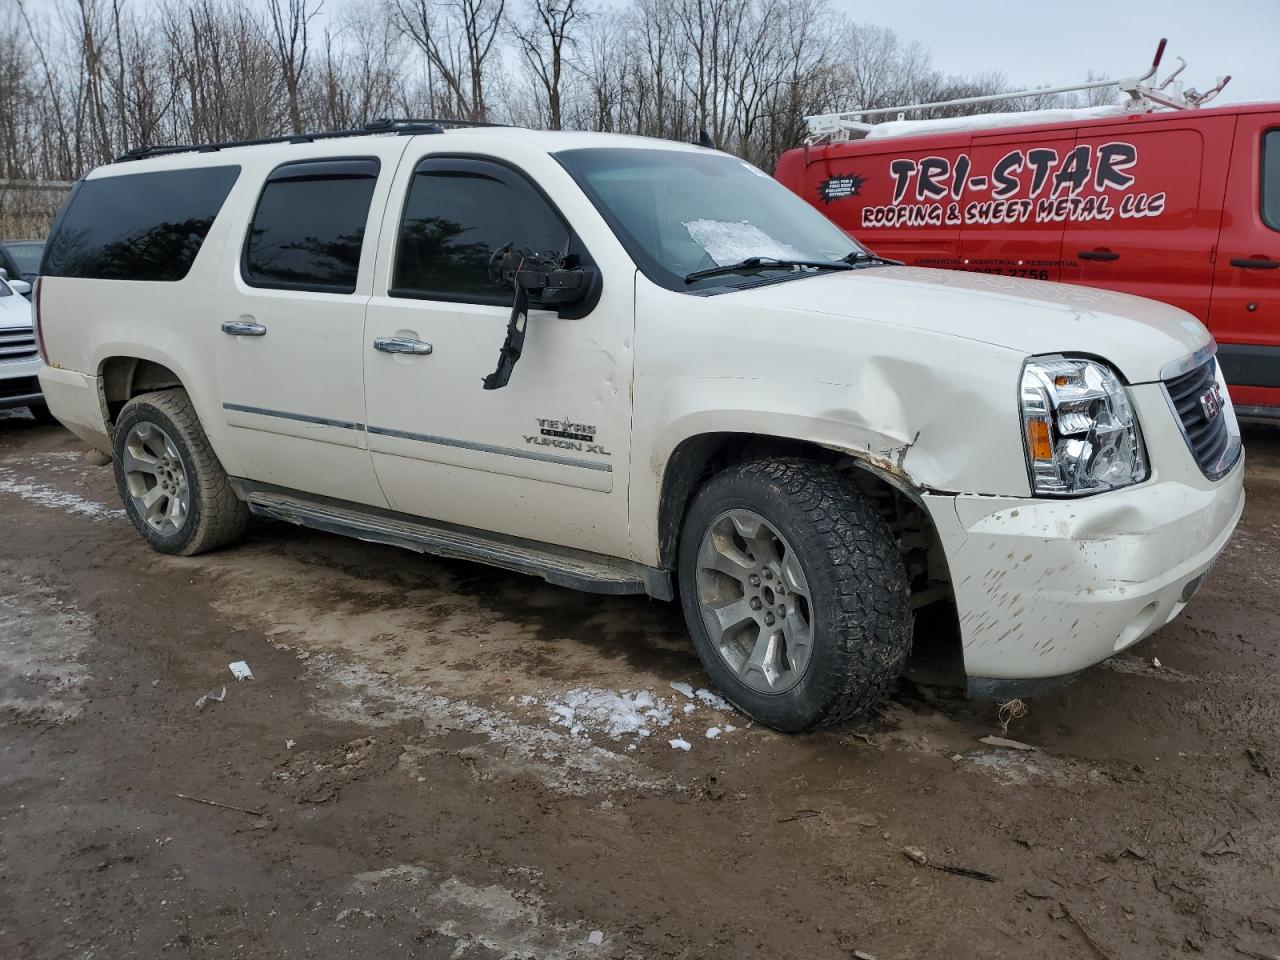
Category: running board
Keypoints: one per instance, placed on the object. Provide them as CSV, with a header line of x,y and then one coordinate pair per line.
x,y
562,566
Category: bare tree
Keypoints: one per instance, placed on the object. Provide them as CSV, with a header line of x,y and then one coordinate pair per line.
x,y
457,38
544,37
290,24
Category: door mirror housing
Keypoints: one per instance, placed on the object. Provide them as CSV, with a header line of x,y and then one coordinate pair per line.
x,y
19,286
556,287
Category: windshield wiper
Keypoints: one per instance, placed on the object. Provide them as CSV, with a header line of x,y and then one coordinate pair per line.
x,y
866,256
756,263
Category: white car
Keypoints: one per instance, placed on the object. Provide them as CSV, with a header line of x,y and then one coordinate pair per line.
x,y
634,366
19,358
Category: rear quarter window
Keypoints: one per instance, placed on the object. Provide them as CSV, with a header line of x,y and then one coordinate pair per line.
x,y
138,226
1271,179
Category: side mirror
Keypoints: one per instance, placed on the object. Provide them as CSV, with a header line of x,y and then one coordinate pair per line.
x,y
19,286
555,288
4,273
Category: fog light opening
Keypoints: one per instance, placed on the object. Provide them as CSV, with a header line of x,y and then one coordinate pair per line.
x,y
1192,585
1139,626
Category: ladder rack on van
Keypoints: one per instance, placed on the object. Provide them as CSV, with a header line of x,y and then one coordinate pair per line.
x,y
405,127
1144,96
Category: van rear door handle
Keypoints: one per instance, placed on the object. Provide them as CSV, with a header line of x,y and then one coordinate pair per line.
x,y
1255,263
1098,255
402,345
243,328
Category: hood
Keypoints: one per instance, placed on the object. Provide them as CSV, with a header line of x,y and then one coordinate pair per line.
x,y
15,311
1137,336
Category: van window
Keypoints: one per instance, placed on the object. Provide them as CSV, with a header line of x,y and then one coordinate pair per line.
x,y
308,229
458,220
139,226
1271,179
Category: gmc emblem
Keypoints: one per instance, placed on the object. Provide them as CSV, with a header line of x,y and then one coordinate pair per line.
x,y
1211,402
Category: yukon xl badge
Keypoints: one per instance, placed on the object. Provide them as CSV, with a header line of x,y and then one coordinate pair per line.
x,y
566,434
1211,402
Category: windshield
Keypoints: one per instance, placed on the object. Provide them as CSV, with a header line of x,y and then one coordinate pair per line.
x,y
26,256
679,212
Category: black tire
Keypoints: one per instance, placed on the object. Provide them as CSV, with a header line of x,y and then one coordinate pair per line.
x,y
216,517
859,608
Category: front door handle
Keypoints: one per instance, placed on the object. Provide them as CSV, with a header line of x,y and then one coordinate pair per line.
x,y
1255,263
243,328
402,345
1098,255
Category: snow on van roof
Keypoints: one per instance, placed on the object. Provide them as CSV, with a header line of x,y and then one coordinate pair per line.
x,y
990,121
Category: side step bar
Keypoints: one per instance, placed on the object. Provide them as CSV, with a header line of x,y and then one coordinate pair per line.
x,y
562,566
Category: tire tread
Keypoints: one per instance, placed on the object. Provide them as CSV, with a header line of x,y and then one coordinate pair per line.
x,y
221,516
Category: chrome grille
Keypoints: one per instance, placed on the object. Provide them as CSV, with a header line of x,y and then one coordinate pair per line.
x,y
1213,440
17,343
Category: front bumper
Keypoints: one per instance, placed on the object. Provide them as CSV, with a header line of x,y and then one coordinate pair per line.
x,y
1047,588
19,386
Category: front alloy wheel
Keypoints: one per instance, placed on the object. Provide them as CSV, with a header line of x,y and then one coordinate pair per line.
x,y
794,592
754,601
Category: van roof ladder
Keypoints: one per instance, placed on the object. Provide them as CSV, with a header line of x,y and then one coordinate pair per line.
x,y
1145,95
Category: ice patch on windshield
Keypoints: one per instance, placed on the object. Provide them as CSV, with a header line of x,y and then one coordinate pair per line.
x,y
728,242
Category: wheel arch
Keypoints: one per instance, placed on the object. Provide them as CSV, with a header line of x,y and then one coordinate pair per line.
x,y
697,458
123,377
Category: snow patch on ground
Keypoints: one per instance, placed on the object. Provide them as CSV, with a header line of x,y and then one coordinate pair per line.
x,y
489,921
708,697
49,496
42,641
678,744
586,711
512,749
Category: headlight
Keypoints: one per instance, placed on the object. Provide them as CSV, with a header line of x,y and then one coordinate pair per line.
x,y
1080,431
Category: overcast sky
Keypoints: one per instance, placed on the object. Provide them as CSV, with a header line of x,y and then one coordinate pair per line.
x,y
1037,42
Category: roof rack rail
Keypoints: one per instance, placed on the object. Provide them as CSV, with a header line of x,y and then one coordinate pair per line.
x,y
1143,96
400,126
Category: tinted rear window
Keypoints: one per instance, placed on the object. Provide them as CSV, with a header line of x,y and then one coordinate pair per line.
x,y
140,226
1271,179
26,255
308,230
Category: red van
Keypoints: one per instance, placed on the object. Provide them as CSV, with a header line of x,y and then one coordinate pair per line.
x,y
1181,206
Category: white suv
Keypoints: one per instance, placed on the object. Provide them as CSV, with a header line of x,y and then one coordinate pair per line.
x,y
714,394
19,359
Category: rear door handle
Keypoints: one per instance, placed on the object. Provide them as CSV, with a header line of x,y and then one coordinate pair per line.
x,y
1251,263
1098,255
402,345
243,328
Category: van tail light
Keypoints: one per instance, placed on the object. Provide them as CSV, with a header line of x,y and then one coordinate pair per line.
x,y
35,299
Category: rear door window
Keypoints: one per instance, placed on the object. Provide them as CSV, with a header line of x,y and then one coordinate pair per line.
x,y
460,218
140,226
1271,179
308,229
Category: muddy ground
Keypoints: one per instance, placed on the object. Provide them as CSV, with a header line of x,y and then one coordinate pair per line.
x,y
434,760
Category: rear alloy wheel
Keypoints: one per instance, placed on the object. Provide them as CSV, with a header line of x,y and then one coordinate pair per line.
x,y
173,486
794,591
155,478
